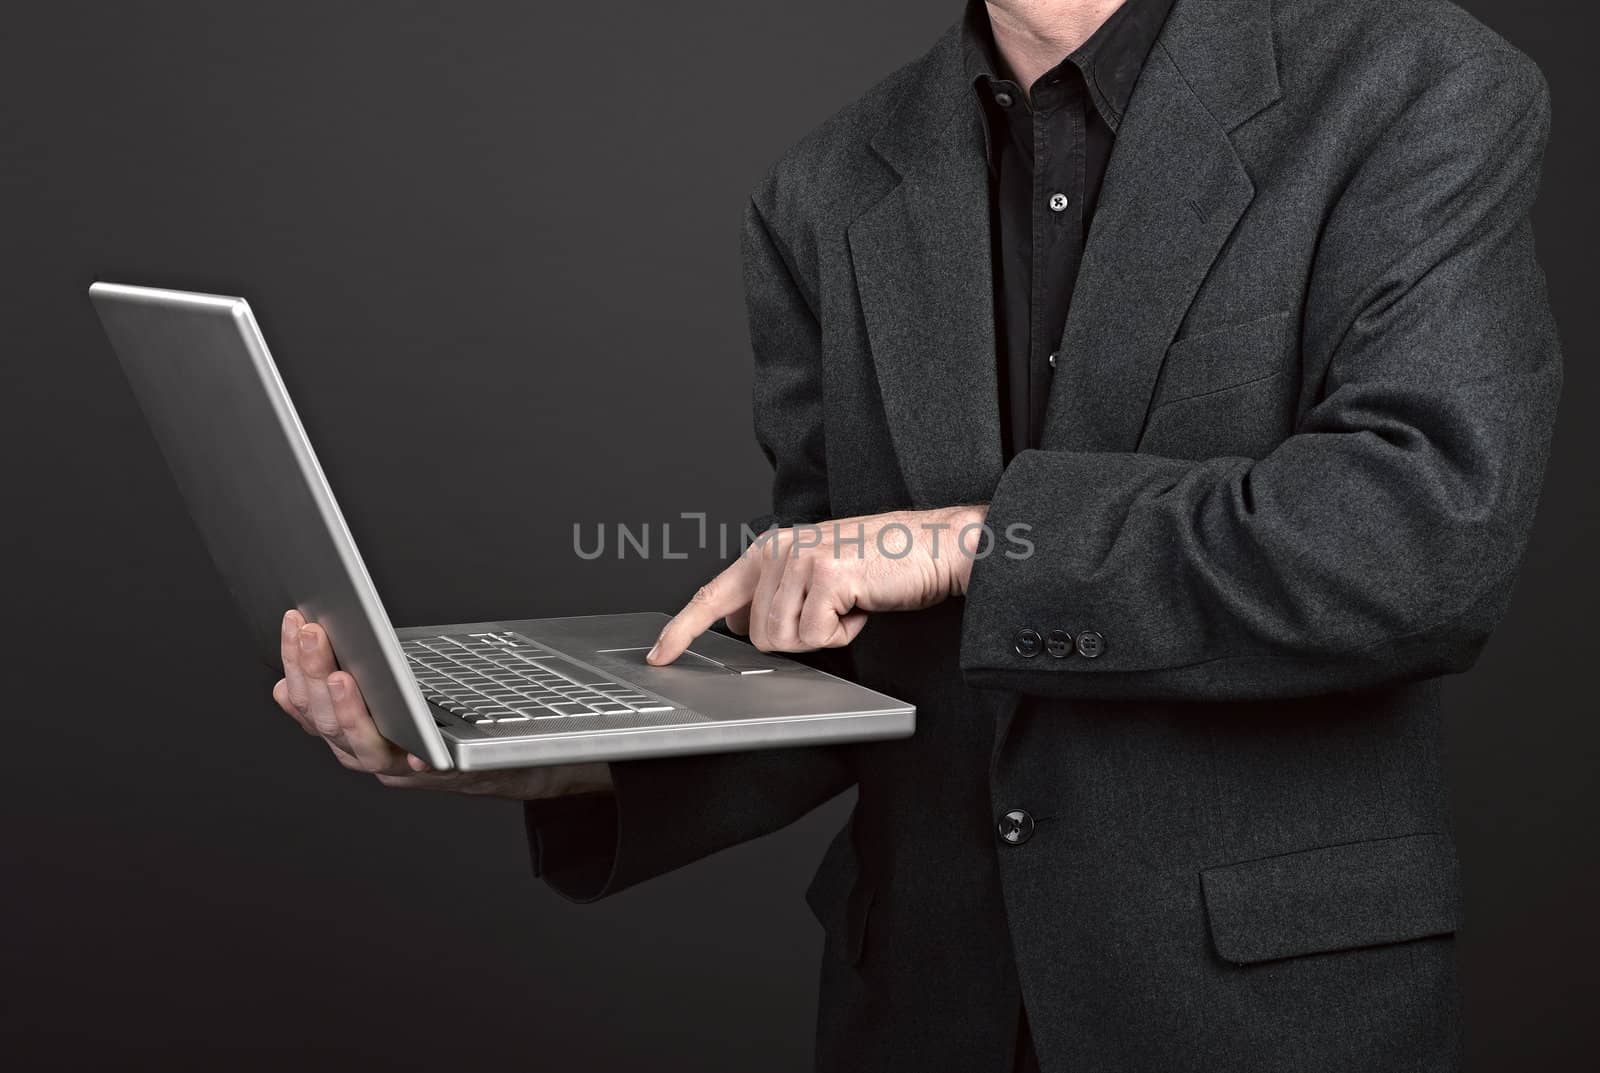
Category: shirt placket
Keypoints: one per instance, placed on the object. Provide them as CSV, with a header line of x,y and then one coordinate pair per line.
x,y
1059,163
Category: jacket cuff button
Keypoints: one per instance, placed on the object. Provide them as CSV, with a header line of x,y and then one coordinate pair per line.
x,y
1091,645
1027,643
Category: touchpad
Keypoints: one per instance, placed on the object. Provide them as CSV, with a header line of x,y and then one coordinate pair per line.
x,y
691,661
687,661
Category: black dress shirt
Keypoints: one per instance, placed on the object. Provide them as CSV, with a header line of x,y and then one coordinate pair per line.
x,y
1048,151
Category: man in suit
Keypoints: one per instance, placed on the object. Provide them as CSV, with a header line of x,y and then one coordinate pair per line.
x,y
1209,338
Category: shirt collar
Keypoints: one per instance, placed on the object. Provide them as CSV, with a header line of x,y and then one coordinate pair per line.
x,y
1110,60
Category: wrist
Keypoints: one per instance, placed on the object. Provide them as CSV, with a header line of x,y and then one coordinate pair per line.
x,y
967,524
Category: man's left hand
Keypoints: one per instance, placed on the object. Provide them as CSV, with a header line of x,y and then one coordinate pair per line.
x,y
812,586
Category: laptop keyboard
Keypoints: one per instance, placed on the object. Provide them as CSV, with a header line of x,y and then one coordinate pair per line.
x,y
505,678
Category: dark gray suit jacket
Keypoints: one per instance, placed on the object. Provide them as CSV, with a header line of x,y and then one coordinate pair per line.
x,y
1292,454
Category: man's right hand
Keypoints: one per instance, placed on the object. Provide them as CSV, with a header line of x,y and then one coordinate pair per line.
x,y
327,703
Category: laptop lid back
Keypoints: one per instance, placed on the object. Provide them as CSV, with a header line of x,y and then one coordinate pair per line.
x,y
201,372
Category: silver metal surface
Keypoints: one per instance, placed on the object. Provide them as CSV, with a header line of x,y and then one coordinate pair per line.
x,y
213,397
718,707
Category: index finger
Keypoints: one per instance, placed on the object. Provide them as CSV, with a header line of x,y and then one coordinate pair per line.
x,y
721,596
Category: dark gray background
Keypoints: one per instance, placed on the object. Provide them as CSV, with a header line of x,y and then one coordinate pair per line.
x,y
494,248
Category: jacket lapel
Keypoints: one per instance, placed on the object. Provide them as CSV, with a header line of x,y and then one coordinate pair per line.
x,y
1173,192
922,267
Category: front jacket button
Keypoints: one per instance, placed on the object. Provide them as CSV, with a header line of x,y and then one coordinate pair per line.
x,y
1058,643
1090,644
1027,643
1015,827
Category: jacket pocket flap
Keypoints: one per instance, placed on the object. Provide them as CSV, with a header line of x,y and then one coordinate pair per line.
x,y
1333,898
1222,358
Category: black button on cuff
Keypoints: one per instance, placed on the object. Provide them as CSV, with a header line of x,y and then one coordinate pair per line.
x,y
1059,644
1027,643
1015,827
1091,645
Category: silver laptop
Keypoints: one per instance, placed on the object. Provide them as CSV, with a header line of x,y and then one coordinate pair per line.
x,y
471,695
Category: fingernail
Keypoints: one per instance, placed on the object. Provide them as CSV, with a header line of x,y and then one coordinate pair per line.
x,y
289,628
337,688
650,656
308,640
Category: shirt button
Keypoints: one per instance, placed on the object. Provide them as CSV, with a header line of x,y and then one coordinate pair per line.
x,y
1058,644
1052,359
1027,643
1015,827
1058,202
1091,644
1003,99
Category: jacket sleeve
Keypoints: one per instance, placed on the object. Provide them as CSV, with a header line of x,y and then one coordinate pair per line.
x,y
667,813
1380,541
